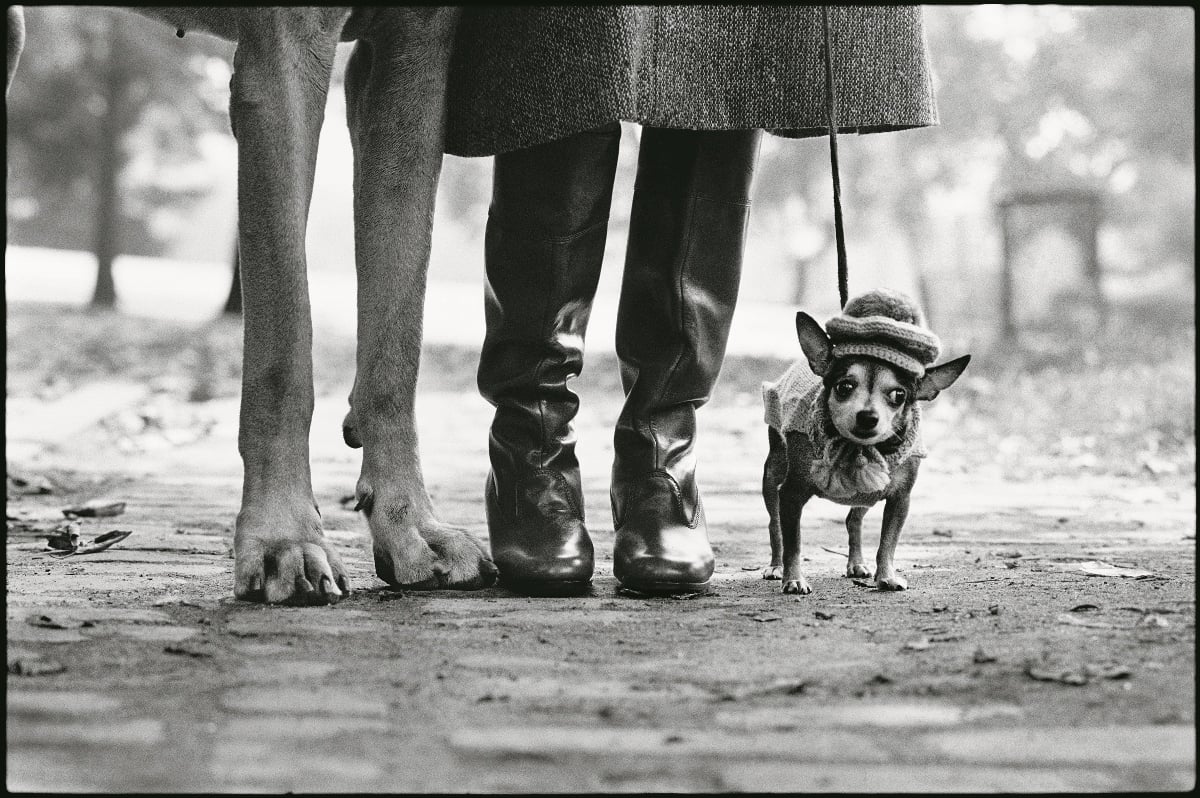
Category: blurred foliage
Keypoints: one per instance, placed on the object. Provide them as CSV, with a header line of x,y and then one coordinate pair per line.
x,y
1029,97
1059,410
89,75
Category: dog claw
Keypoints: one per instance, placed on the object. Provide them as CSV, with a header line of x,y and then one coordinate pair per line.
x,y
894,582
435,558
298,572
772,572
799,586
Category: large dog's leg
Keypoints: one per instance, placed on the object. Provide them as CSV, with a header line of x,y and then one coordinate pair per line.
x,y
281,76
16,43
395,98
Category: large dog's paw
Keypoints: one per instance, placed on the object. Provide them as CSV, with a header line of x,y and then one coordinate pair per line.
x,y
287,571
890,580
772,572
798,585
428,555
858,570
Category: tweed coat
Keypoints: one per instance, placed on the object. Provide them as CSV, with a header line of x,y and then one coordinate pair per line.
x,y
526,75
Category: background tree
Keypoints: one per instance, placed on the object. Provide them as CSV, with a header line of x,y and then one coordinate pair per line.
x,y
103,119
1101,97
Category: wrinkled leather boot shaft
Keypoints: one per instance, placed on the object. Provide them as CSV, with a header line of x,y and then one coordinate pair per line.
x,y
682,270
544,248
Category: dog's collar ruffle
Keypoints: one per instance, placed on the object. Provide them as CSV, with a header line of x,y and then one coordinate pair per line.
x,y
844,471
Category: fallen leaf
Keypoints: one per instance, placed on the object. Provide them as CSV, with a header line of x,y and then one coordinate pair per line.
x,y
861,583
1084,608
1075,620
35,665
917,645
943,533
65,537
1075,678
100,543
47,622
29,485
766,618
823,616
750,567
97,508
1097,568
777,687
690,596
1107,671
186,651
981,657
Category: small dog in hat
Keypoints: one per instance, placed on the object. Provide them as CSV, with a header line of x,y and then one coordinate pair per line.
x,y
845,426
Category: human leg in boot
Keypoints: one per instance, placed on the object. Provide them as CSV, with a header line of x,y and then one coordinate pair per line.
x,y
544,247
682,269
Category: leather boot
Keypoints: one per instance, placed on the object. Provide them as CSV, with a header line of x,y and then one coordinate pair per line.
x,y
683,265
543,251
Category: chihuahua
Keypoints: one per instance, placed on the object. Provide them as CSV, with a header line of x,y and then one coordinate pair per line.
x,y
845,426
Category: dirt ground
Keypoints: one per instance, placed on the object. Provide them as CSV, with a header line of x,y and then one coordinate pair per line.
x,y
1047,641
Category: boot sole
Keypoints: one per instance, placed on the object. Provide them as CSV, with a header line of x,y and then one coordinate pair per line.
x,y
547,589
666,588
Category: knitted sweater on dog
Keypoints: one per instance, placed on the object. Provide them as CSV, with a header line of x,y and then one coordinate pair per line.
x,y
793,404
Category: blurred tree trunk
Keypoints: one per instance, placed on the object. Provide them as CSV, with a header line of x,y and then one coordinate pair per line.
x,y
108,198
233,305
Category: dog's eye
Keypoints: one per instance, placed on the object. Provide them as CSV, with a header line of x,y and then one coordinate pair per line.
x,y
896,396
843,389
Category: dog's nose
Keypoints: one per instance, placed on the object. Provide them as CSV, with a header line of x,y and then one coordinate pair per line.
x,y
866,419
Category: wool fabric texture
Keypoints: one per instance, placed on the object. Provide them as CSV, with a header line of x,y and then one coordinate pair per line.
x,y
522,76
886,325
843,471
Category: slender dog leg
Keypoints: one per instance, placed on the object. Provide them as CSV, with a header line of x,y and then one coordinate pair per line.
x,y
396,86
791,502
774,472
856,567
895,511
281,75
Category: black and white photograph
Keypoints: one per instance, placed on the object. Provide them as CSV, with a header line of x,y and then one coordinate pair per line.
x,y
600,398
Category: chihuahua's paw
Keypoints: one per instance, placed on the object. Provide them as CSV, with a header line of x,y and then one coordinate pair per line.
x,y
892,581
799,586
772,572
857,570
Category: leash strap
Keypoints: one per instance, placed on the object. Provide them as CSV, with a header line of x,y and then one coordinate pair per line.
x,y
831,115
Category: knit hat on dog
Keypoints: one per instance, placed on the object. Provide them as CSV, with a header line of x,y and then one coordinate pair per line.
x,y
886,325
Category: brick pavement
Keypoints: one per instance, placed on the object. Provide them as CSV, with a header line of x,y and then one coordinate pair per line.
x,y
170,684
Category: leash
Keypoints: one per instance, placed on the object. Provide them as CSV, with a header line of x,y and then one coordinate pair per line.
x,y
831,115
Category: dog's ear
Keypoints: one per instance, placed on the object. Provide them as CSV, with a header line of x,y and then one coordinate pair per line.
x,y
939,378
814,342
